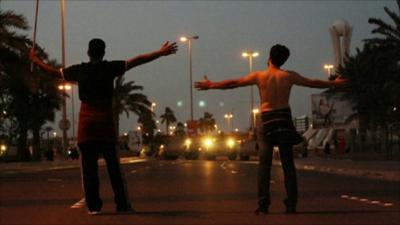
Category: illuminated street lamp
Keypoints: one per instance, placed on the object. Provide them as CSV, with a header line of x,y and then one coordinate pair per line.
x,y
250,55
64,124
328,68
64,103
153,106
189,41
228,118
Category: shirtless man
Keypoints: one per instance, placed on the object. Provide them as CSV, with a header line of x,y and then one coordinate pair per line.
x,y
274,86
96,132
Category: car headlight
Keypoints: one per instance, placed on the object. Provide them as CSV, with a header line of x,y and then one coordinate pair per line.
x,y
187,143
208,143
230,143
3,149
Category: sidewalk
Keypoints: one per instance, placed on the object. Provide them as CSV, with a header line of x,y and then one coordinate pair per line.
x,y
380,170
32,167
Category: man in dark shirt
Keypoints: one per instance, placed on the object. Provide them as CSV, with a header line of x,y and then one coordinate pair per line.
x,y
96,132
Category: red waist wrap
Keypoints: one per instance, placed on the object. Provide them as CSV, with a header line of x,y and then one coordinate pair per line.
x,y
96,122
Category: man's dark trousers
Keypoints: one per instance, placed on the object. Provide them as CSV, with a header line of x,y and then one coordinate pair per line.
x,y
264,173
90,152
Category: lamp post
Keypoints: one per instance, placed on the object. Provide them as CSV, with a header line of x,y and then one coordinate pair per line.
x,y
64,103
328,68
64,123
228,118
250,55
189,41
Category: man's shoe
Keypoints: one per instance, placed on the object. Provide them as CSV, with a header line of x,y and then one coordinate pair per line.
x,y
126,210
290,208
261,210
94,213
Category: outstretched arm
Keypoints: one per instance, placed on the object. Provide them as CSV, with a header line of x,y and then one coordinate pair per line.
x,y
226,84
166,49
316,83
50,69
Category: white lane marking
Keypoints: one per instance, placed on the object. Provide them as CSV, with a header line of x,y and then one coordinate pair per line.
x,y
223,165
80,204
367,201
306,167
55,180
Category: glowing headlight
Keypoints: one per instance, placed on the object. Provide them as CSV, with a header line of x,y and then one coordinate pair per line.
x,y
3,148
230,142
208,142
187,143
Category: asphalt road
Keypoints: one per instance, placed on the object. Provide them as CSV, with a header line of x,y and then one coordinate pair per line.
x,y
198,192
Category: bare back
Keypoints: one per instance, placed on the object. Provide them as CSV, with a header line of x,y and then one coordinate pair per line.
x,y
274,88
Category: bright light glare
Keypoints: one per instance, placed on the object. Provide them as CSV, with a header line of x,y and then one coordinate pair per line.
x,y
202,103
188,142
208,142
3,148
228,116
230,142
183,39
250,54
64,87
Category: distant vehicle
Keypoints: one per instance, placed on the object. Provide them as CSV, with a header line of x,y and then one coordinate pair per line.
x,y
209,146
73,152
219,145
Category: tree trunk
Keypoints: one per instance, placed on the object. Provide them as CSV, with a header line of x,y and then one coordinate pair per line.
x,y
37,153
23,153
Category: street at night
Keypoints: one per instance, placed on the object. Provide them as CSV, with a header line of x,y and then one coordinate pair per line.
x,y
197,192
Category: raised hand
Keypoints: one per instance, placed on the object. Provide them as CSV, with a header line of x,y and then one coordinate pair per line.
x,y
168,48
340,81
205,84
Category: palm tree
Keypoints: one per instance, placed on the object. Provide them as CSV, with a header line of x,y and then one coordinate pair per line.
x,y
374,75
148,127
30,97
12,47
126,99
390,34
168,117
180,129
207,122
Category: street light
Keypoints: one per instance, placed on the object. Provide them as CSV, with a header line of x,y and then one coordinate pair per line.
x,y
228,118
153,106
328,68
64,103
64,127
189,39
250,55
